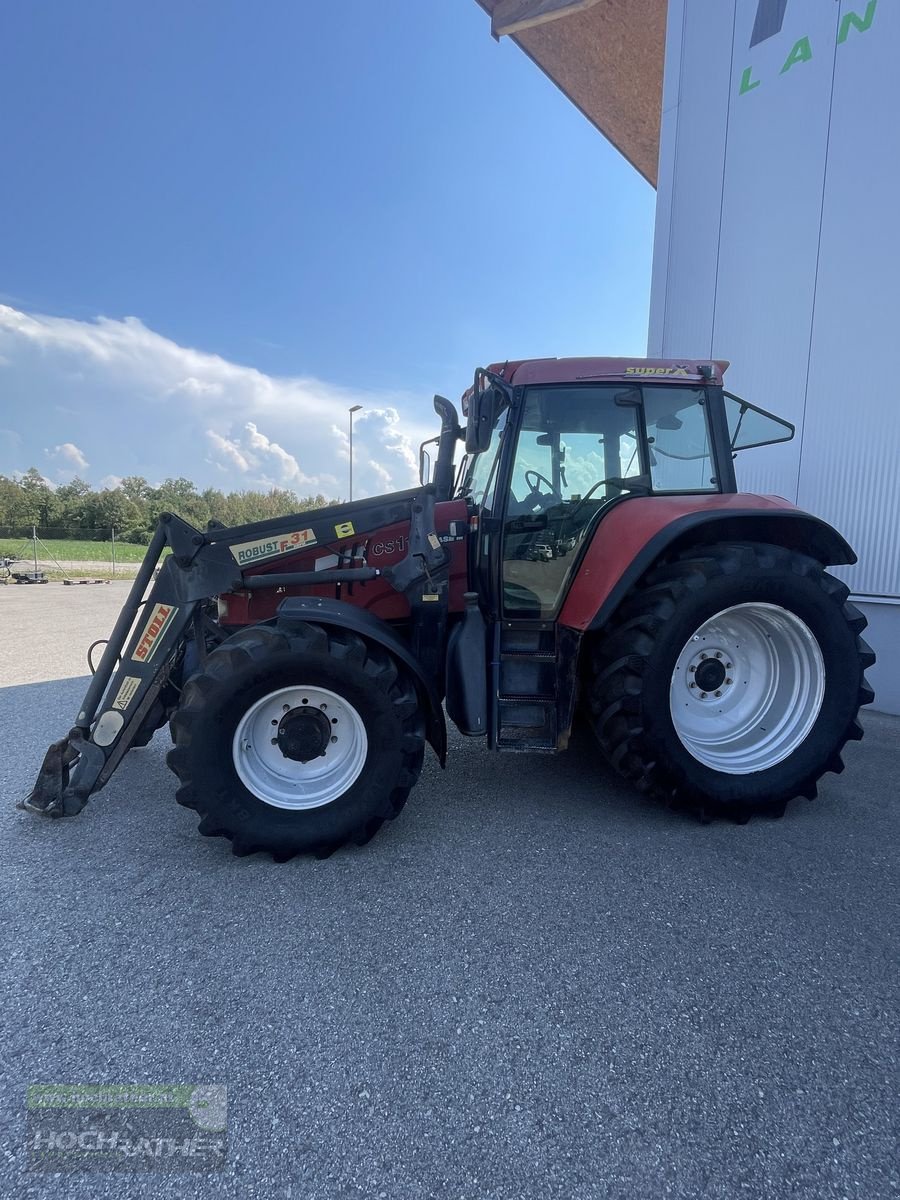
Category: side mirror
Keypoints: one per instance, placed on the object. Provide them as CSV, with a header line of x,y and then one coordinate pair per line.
x,y
425,465
483,407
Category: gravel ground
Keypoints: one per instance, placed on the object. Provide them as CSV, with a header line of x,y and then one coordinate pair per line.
x,y
532,984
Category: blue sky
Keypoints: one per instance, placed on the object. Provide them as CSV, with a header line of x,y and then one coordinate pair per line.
x,y
299,206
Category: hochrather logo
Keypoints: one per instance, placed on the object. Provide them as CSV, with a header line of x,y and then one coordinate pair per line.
x,y
770,15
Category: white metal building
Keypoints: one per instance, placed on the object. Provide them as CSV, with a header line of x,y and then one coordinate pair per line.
x,y
778,241
778,246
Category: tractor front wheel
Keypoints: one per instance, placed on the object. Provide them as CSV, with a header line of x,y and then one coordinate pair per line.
x,y
731,680
295,738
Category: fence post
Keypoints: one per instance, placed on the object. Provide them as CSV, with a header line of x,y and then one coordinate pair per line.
x,y
113,549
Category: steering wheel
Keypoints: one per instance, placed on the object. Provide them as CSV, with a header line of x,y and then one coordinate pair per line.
x,y
535,487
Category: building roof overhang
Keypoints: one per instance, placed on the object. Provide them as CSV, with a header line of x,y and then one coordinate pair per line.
x,y
606,55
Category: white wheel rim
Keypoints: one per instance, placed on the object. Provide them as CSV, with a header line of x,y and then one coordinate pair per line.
x,y
284,782
771,680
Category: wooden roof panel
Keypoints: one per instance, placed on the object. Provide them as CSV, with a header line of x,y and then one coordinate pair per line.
x,y
608,59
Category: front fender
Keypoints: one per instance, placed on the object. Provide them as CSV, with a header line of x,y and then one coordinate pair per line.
x,y
641,530
321,611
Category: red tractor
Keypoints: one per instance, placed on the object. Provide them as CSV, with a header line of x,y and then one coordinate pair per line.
x,y
590,554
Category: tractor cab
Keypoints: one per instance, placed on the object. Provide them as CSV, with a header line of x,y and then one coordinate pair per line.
x,y
553,445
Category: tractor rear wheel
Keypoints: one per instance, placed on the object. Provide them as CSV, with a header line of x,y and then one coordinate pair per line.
x,y
731,680
297,738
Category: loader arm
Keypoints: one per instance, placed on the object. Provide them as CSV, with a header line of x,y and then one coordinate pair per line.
x,y
148,640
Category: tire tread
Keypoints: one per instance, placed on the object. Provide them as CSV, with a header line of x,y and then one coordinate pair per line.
x,y
257,644
619,666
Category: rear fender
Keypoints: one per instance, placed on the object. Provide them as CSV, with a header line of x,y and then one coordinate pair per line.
x,y
321,611
639,532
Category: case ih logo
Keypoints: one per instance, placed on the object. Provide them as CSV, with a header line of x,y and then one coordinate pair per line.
x,y
159,621
769,21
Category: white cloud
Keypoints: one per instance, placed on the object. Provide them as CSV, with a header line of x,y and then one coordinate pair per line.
x,y
269,463
196,387
229,450
111,481
69,453
157,408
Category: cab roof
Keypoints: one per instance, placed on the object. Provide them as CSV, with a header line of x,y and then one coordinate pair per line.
x,y
584,370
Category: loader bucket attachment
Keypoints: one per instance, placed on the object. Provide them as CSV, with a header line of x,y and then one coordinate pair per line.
x,y
47,795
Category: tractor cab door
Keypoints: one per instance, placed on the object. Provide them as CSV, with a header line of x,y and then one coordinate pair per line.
x,y
578,450
562,457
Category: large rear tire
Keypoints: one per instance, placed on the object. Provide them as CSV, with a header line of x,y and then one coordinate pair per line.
x,y
731,680
297,739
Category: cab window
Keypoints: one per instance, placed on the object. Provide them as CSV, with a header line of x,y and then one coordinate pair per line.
x,y
481,479
578,450
679,447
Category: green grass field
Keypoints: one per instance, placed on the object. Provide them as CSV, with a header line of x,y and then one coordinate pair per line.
x,y
66,551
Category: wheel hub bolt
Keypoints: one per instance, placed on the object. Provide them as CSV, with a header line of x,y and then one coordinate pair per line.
x,y
718,693
703,695
303,734
709,674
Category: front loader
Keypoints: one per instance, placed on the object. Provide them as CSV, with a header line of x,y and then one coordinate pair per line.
x,y
589,555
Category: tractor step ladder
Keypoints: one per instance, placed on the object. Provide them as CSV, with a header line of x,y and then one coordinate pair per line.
x,y
526,685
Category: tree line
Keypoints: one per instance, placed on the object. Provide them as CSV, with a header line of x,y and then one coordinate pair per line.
x,y
76,510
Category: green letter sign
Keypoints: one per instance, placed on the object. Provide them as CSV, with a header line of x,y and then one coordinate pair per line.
x,y
853,21
802,52
748,83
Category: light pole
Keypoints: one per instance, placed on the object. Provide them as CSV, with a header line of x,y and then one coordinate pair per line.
x,y
354,409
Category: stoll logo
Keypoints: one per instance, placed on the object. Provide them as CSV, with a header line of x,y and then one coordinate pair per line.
x,y
769,21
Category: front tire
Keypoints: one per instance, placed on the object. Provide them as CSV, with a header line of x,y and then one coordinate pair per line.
x,y
731,680
297,739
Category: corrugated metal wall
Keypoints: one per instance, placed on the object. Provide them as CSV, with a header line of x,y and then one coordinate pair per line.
x,y
778,247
